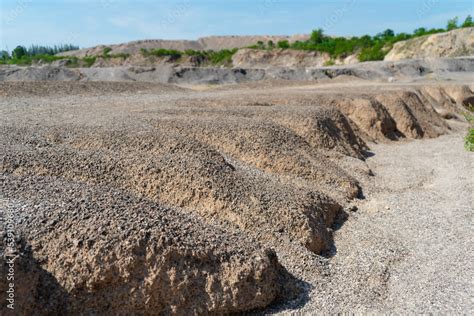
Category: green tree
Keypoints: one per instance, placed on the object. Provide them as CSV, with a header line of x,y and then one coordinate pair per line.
x,y
468,22
283,44
420,31
452,24
4,55
19,52
317,36
388,33
271,44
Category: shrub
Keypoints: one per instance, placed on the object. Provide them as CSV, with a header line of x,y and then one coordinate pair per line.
x,y
222,57
161,52
106,51
376,52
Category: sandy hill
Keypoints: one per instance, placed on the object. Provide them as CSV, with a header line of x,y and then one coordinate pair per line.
x,y
450,44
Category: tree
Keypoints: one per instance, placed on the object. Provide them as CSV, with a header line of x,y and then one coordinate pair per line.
x,y
19,52
468,22
283,44
388,33
271,44
4,55
420,31
317,36
452,24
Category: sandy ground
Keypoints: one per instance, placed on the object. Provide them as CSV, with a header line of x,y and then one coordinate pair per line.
x,y
408,248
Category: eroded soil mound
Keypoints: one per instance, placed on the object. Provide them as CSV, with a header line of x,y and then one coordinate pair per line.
x,y
111,252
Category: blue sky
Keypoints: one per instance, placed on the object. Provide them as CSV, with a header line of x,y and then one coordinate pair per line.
x,y
87,22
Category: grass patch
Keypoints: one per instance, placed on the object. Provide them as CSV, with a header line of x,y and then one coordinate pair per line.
x,y
469,140
330,62
89,60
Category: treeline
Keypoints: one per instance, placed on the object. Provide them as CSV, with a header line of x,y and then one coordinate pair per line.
x,y
35,53
367,47
35,50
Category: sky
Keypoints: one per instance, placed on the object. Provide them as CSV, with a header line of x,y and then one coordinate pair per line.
x,y
87,22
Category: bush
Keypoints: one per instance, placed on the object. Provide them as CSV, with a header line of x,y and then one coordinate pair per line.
x,y
106,51
376,52
161,52
222,57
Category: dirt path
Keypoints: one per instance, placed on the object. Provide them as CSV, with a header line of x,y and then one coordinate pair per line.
x,y
409,246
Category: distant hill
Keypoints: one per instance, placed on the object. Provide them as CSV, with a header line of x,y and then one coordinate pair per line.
x,y
202,44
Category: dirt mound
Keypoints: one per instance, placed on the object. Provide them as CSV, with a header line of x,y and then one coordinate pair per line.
x,y
450,44
414,118
135,256
176,170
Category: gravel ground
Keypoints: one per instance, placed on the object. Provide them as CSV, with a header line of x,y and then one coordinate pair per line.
x,y
279,165
408,248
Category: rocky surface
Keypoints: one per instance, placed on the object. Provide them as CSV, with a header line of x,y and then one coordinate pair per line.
x,y
455,43
132,197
